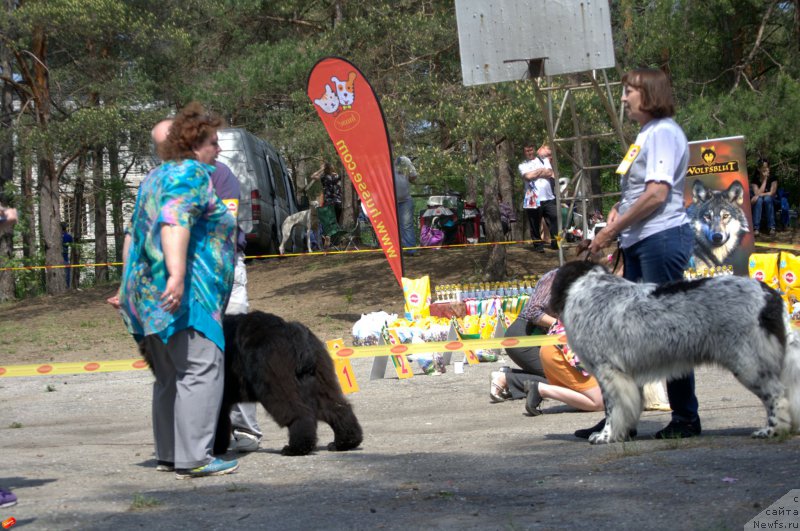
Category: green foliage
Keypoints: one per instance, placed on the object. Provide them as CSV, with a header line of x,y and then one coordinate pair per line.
x,y
28,282
117,66
753,114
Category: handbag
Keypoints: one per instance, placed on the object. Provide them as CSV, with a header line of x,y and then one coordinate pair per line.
x,y
430,236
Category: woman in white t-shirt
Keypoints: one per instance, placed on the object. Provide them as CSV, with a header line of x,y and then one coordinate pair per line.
x,y
650,219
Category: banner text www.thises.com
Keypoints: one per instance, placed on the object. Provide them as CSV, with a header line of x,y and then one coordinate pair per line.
x,y
366,197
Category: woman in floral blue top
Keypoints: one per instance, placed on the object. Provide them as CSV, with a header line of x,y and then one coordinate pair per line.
x,y
176,280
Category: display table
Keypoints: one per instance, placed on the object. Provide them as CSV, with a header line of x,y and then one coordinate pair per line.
x,y
448,309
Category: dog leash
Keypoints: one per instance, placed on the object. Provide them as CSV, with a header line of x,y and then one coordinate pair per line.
x,y
616,262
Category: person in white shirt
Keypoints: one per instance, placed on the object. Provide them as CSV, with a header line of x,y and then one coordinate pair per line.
x,y
650,220
539,201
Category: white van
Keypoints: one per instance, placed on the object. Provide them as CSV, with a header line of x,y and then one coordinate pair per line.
x,y
267,196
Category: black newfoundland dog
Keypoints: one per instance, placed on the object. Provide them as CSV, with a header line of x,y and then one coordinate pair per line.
x,y
286,368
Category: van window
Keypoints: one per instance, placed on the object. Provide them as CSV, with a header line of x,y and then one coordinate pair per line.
x,y
277,174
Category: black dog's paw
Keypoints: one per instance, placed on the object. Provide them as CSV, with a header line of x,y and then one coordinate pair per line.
x,y
343,446
289,451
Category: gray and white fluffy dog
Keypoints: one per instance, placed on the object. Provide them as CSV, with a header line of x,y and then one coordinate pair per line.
x,y
627,334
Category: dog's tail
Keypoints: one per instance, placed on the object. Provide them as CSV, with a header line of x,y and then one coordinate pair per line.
x,y
791,378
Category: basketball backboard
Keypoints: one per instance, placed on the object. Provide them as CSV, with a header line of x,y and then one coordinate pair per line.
x,y
498,38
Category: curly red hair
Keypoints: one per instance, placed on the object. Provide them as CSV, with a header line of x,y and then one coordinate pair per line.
x,y
192,126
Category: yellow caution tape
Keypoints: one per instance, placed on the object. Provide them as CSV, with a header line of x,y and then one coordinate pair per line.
x,y
786,246
139,364
286,255
343,353
455,345
47,369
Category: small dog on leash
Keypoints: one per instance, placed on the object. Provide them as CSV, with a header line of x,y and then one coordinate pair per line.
x,y
627,334
307,218
286,368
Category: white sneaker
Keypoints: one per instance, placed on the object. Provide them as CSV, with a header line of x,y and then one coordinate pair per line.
x,y
244,442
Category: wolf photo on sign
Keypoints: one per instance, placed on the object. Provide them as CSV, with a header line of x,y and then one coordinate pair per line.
x,y
718,205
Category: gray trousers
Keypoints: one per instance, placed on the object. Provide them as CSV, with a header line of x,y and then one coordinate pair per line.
x,y
187,396
243,416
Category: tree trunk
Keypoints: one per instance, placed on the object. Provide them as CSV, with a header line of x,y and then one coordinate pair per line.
x,y
6,172
6,132
337,15
595,177
77,221
100,214
26,191
349,203
505,183
471,178
797,23
6,277
626,9
49,193
117,189
50,224
496,256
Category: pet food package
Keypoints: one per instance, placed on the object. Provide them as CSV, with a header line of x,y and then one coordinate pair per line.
x,y
470,327
789,272
789,276
764,267
417,292
487,324
510,317
793,304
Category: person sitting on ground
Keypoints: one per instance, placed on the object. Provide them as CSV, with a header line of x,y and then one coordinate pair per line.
x,y
534,319
567,381
763,191
550,371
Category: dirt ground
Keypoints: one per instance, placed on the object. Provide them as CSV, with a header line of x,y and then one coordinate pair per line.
x,y
77,449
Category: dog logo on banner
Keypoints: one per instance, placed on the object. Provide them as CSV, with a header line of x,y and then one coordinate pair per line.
x,y
340,102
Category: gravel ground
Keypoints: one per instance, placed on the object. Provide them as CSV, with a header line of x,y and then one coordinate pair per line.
x,y
77,451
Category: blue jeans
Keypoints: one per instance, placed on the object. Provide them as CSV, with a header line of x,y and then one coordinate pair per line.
x,y
785,212
405,218
661,258
761,202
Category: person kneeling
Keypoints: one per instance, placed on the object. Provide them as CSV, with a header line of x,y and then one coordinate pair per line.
x,y
566,382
